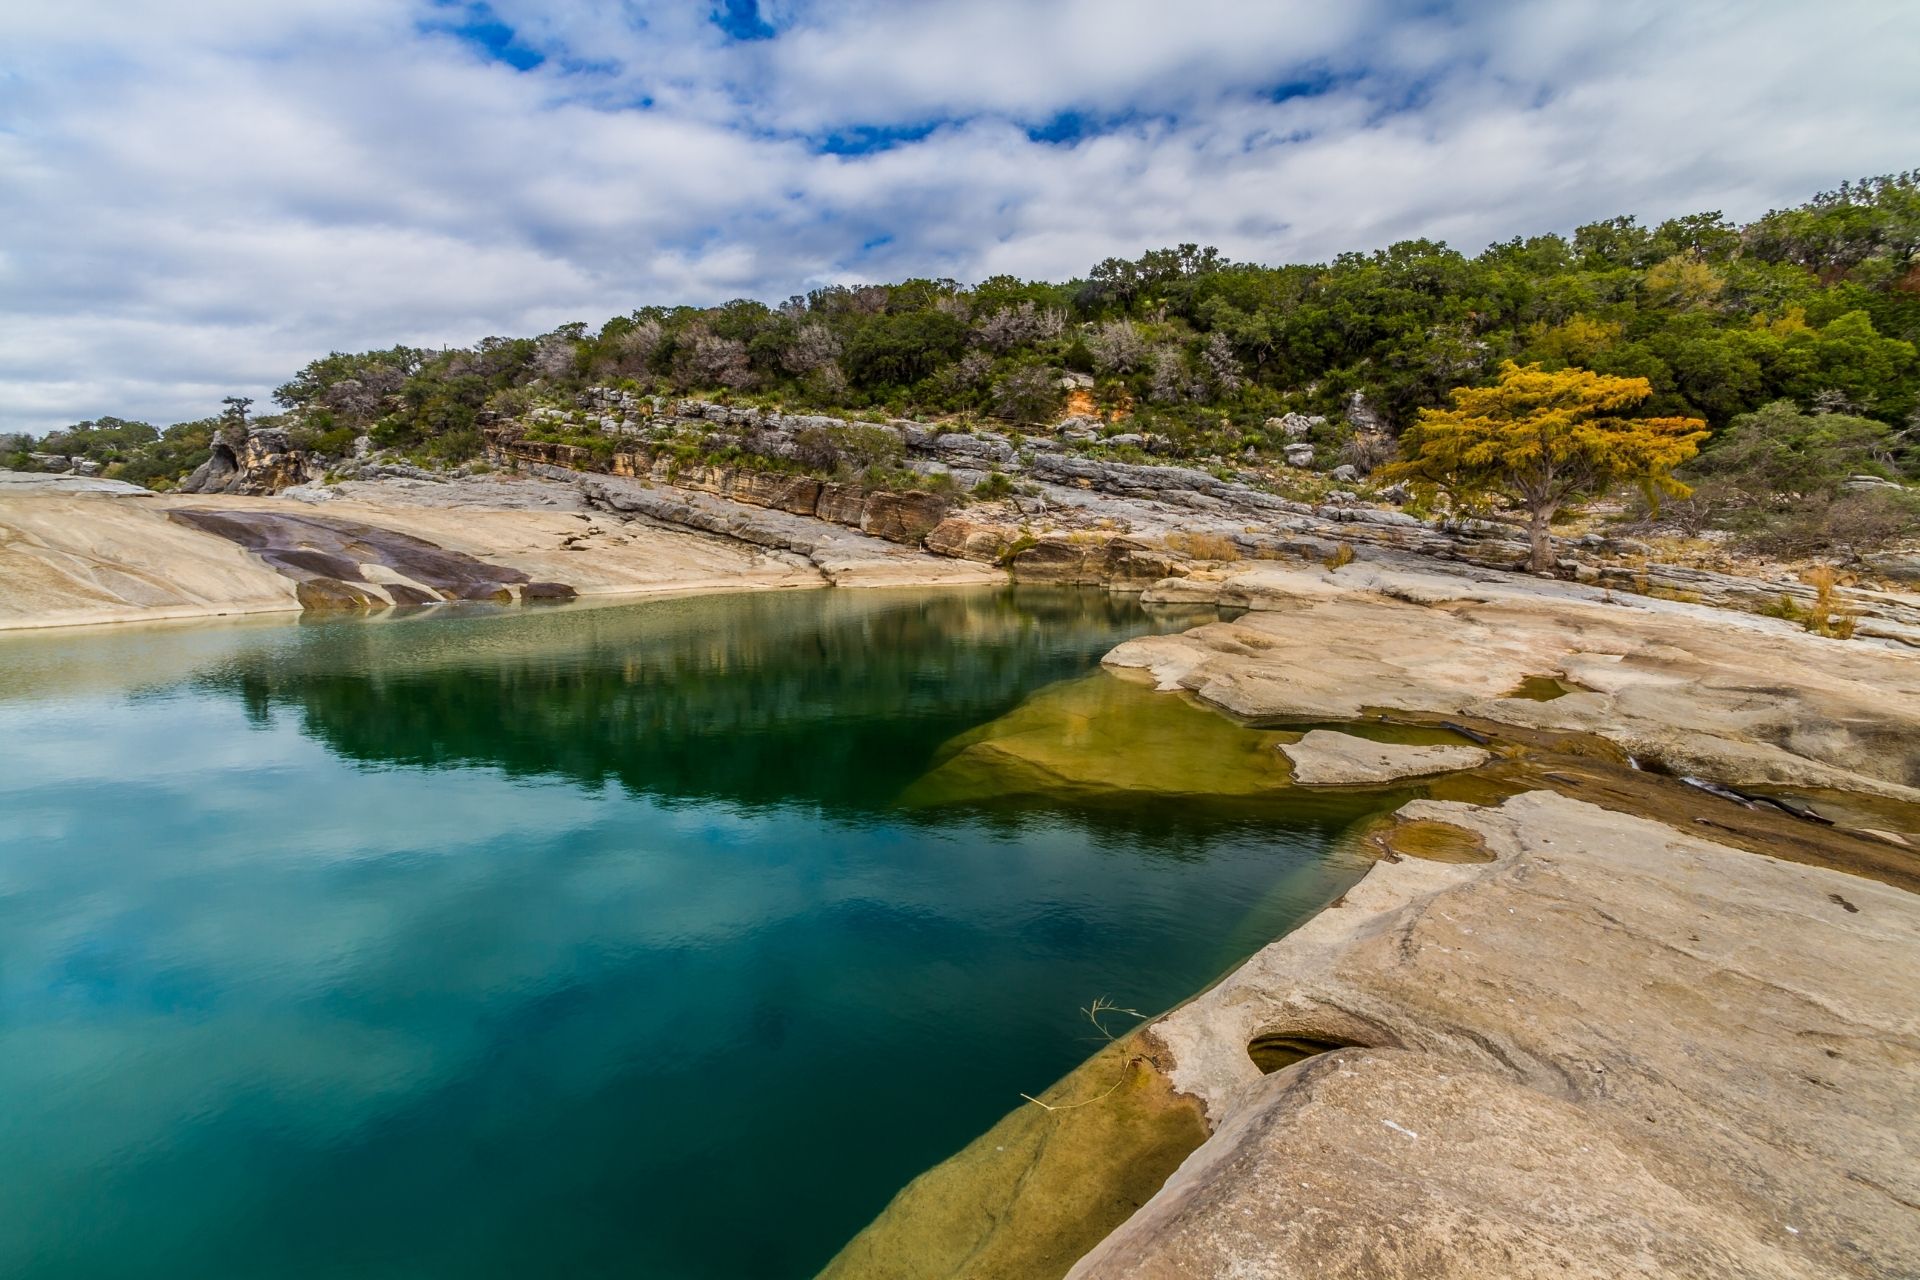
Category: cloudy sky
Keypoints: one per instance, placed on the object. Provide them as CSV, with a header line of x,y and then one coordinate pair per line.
x,y
197,197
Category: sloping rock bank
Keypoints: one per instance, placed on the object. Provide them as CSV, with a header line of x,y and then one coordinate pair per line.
x,y
1616,1049
76,551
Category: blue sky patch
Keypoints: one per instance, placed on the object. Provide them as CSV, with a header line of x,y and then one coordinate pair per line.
x,y
865,139
480,27
741,20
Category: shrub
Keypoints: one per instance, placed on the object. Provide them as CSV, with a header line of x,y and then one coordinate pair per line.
x,y
1365,450
1026,395
996,485
1851,524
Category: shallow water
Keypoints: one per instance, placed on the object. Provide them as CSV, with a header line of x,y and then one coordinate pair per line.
x,y
577,942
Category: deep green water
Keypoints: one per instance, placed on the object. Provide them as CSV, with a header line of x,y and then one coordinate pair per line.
x,y
586,942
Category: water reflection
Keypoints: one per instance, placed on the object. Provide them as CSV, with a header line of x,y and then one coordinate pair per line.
x,y
584,942
757,699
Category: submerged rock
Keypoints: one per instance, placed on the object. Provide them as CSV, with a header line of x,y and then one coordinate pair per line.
x,y
1082,738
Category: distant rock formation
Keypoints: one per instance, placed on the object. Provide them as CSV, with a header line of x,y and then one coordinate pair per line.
x,y
266,462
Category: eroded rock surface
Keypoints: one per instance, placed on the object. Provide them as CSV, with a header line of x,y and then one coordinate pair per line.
x,y
1326,758
344,564
1744,700
1617,1049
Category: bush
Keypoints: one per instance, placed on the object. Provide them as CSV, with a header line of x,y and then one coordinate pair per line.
x,y
996,485
1852,524
1027,395
1365,450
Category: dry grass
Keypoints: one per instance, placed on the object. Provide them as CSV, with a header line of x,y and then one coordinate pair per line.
x,y
1342,555
1828,617
1202,546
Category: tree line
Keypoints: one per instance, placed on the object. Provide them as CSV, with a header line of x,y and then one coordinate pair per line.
x,y
1808,316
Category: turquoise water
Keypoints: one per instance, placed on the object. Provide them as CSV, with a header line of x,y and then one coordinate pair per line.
x,y
580,942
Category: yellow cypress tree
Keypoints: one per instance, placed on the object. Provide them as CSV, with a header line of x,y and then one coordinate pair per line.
x,y
1544,441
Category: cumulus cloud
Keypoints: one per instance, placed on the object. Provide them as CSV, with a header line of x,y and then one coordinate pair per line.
x,y
198,197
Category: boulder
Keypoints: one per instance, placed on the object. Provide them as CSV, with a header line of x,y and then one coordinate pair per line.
x,y
1901,566
266,462
1363,416
1109,560
1299,455
1295,426
1858,483
970,540
992,448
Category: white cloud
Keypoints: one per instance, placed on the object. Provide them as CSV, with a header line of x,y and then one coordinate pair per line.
x,y
199,197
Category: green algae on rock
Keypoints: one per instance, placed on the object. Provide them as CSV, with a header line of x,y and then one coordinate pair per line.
x,y
1032,1195
1103,735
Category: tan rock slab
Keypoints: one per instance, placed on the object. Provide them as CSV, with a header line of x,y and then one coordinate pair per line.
x,y
1616,1049
1326,758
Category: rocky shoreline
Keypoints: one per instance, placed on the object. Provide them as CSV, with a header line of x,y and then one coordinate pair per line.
x,y
1582,1018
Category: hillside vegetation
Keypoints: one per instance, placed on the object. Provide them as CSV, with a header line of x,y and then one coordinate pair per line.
x,y
1793,337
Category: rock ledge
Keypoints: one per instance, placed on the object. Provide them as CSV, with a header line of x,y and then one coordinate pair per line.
x,y
1325,758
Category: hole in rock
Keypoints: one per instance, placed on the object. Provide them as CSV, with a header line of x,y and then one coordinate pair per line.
x,y
1429,839
1271,1053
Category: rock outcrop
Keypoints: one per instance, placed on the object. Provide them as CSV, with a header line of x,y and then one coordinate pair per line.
x,y
266,462
1615,1049
1678,686
841,554
1145,501
904,517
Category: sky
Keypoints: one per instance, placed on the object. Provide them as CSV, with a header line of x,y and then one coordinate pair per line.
x,y
198,197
